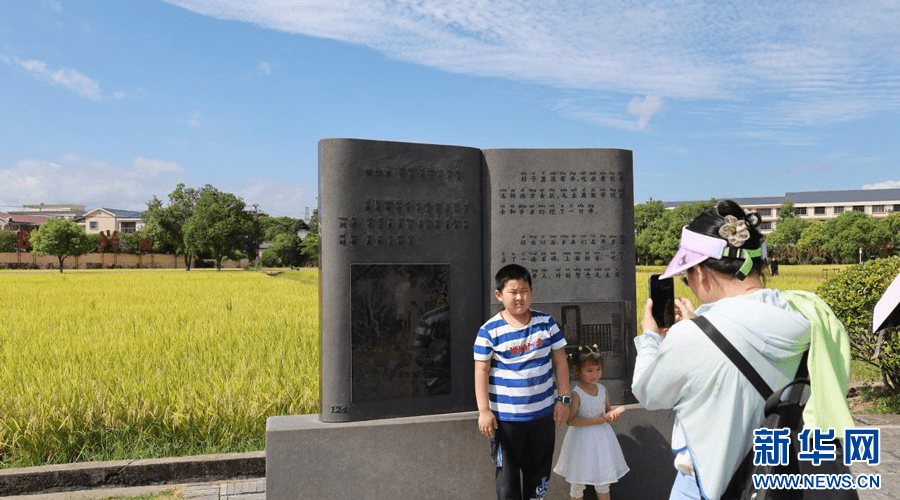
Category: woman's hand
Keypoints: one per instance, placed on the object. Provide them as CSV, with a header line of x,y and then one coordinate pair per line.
x,y
684,309
648,324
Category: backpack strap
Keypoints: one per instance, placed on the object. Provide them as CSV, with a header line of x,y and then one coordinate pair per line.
x,y
772,398
735,356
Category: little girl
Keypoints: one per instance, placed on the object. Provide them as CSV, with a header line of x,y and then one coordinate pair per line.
x,y
590,452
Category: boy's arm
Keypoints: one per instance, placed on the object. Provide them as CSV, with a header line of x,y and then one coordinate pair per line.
x,y
486,420
561,371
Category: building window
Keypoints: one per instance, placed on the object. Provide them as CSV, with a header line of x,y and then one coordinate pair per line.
x,y
839,210
819,211
93,224
800,210
859,208
764,212
896,208
765,226
877,209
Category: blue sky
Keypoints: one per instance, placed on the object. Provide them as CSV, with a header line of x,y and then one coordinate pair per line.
x,y
108,103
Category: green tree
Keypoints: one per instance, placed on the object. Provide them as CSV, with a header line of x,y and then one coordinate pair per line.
x,y
284,251
254,237
850,231
657,242
786,211
788,231
309,247
7,241
62,238
891,225
219,225
812,242
273,226
645,213
166,224
783,241
128,243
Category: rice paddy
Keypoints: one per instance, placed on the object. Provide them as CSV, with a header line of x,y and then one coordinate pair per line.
x,y
110,365
113,365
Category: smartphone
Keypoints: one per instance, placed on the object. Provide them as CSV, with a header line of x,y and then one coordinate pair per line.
x,y
662,293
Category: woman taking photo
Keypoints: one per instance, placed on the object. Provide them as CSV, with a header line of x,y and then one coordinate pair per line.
x,y
721,258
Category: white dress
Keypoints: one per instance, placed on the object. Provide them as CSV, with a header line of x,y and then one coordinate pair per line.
x,y
591,454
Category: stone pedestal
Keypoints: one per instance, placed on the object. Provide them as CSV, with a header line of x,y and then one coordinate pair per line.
x,y
436,457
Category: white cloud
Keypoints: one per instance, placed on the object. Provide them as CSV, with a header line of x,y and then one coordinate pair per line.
x,y
80,180
193,121
883,185
54,5
644,109
69,78
265,68
72,79
791,63
156,167
85,181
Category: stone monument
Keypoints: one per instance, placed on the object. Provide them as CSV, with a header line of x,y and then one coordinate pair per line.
x,y
411,235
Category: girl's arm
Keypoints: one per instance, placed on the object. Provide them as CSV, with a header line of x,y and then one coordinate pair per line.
x,y
613,415
575,421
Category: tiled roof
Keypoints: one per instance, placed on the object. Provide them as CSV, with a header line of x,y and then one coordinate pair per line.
x,y
848,196
752,201
759,200
125,214
808,197
28,219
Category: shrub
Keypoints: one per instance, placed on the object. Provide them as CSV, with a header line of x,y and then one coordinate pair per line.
x,y
7,241
852,294
270,258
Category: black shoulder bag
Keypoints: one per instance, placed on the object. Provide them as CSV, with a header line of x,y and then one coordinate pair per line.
x,y
779,413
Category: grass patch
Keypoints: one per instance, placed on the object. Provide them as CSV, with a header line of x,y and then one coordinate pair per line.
x,y
170,494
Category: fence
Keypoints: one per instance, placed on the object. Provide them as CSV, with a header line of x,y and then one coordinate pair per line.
x,y
27,260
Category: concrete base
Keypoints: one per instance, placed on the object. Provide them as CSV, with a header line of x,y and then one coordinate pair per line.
x,y
436,457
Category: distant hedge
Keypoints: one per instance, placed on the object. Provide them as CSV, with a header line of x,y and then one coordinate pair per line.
x,y
852,294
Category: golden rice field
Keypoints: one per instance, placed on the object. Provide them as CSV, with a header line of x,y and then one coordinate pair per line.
x,y
108,365
111,365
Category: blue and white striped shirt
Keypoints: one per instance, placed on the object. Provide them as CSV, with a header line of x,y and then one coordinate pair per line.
x,y
521,384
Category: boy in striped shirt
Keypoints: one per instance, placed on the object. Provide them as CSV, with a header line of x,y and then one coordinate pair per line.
x,y
517,353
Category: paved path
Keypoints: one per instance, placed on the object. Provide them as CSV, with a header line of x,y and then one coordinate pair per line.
x,y
255,489
889,468
244,490
247,489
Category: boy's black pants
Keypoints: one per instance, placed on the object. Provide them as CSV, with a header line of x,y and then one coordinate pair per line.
x,y
523,454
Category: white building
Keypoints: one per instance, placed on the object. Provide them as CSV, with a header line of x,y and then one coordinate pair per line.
x,y
817,205
114,220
